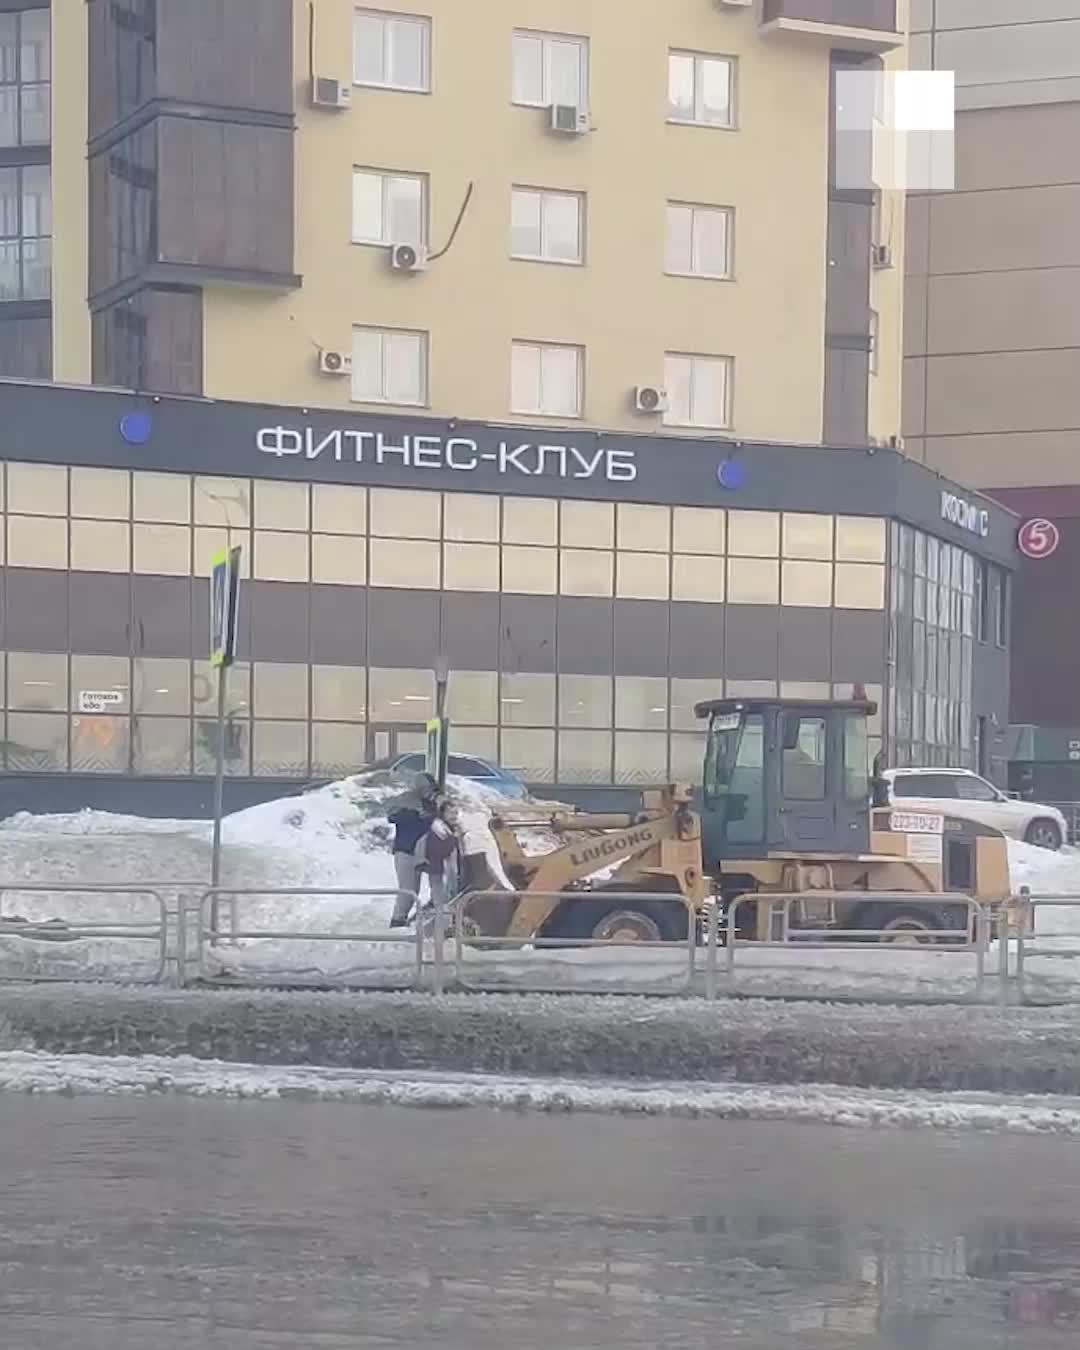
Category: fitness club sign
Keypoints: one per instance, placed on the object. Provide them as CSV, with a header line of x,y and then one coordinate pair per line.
x,y
460,454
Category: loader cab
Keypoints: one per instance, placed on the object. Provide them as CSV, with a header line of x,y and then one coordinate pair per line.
x,y
785,776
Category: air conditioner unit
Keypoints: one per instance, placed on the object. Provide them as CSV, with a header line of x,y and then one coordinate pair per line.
x,y
335,363
407,258
326,93
648,399
568,119
881,256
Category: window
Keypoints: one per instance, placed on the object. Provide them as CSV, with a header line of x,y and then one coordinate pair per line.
x,y
546,226
1001,609
24,78
804,758
931,785
389,208
982,599
389,366
701,89
392,51
976,790
550,69
699,390
698,240
545,380
25,233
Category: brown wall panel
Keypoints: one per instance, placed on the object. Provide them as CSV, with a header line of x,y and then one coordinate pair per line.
x,y
1003,311
1018,147
847,381
228,53
848,308
225,195
986,231
1000,392
26,348
877,14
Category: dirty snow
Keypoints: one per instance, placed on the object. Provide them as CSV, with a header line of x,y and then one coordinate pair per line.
x,y
851,1107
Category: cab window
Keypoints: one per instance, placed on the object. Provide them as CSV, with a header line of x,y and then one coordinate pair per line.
x,y
856,759
804,757
746,795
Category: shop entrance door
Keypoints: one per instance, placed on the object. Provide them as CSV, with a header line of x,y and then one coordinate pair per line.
x,y
387,740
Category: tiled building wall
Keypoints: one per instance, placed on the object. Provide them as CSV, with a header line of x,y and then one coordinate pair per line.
x,y
579,633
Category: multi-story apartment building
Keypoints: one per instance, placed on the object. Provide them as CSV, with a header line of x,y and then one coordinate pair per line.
x,y
992,331
519,333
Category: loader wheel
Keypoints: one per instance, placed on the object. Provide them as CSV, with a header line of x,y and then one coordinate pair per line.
x,y
620,921
900,927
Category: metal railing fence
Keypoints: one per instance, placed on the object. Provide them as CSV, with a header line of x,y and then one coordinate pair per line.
x,y
210,935
62,932
199,934
617,900
973,938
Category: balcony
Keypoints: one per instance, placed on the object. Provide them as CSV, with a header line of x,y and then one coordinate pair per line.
x,y
854,25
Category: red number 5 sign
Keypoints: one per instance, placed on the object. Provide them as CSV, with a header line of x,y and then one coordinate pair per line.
x,y
1038,538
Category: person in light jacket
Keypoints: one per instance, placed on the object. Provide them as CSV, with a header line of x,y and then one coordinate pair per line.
x,y
412,818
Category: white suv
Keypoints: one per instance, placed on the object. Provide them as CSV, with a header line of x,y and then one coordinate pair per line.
x,y
959,792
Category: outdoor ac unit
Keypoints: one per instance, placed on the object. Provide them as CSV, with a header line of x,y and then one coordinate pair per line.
x,y
407,258
327,93
335,363
648,399
881,256
568,119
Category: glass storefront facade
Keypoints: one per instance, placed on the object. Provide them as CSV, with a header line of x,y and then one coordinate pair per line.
x,y
580,633
944,602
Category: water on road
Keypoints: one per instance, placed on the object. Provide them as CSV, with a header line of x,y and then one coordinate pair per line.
x,y
208,1225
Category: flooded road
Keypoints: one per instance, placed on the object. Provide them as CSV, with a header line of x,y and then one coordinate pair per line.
x,y
188,1225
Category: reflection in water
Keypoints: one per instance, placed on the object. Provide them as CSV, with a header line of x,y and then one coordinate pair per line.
x,y
184,1224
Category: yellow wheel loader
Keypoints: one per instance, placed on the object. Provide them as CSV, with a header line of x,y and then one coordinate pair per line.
x,y
785,815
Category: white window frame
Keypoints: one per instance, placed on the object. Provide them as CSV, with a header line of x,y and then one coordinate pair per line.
x,y
425,365
728,364
524,344
387,176
546,38
728,213
544,194
388,18
698,120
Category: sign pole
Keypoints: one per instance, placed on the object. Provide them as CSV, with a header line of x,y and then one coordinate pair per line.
x,y
219,782
224,604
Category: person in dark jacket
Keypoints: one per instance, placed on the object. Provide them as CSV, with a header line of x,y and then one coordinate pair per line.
x,y
411,818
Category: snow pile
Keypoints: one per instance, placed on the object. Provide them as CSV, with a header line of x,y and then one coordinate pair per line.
x,y
1044,872
335,838
851,1107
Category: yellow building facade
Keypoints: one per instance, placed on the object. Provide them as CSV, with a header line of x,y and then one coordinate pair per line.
x,y
688,212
